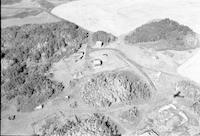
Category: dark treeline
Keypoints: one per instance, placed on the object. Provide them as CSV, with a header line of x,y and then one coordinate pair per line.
x,y
174,34
104,37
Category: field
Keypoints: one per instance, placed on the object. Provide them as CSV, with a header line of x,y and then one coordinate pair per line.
x,y
119,17
20,12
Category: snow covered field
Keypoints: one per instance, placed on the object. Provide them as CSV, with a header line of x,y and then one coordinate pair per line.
x,y
122,16
191,68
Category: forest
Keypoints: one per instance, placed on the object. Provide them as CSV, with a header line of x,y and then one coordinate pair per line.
x,y
27,53
170,34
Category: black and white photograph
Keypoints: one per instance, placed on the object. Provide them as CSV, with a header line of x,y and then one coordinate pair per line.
x,y
100,68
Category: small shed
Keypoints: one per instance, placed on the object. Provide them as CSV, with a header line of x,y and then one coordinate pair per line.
x,y
41,106
99,44
67,97
97,62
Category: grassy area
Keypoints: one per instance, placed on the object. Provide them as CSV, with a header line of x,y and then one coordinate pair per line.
x,y
45,4
10,2
23,14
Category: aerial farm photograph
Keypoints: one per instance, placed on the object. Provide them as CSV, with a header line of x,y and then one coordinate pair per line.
x,y
100,68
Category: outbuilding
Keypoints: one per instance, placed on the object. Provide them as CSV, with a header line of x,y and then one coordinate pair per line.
x,y
99,44
97,62
41,106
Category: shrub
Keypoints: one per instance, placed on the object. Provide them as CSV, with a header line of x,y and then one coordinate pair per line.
x,y
131,115
196,107
188,89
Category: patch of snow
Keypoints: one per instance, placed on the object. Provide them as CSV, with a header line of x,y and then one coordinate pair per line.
x,y
191,68
121,16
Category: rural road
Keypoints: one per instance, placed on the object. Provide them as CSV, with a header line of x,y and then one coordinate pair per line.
x,y
128,61
131,63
